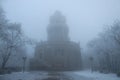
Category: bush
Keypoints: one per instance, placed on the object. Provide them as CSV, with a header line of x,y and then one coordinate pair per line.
x,y
1,71
5,71
118,74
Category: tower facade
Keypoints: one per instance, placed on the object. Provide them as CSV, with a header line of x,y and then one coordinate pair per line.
x,y
57,29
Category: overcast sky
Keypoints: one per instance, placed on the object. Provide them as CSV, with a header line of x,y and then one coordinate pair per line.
x,y
86,18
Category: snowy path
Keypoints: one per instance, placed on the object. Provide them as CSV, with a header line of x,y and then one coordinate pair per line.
x,y
82,75
41,76
77,76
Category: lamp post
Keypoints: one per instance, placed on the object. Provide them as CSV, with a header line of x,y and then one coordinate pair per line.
x,y
91,61
24,60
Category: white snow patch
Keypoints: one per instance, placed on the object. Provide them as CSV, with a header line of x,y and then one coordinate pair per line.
x,y
80,75
97,75
25,76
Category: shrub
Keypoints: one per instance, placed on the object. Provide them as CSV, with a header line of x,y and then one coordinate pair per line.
x,y
118,74
1,71
5,71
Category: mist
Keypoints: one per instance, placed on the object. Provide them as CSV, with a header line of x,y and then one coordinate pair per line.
x,y
60,39
85,18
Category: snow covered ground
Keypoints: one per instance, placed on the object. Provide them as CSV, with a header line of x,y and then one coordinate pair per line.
x,y
23,76
97,75
81,75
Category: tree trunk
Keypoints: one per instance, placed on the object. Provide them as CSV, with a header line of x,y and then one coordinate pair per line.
x,y
5,60
3,65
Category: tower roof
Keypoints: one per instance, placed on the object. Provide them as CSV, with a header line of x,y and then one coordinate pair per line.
x,y
57,17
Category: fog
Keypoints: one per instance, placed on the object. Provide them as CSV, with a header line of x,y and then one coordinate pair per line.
x,y
92,52
85,18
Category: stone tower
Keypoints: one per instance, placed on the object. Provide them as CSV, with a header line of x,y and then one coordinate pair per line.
x,y
58,52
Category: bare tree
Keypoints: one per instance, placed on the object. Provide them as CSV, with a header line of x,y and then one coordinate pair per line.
x,y
11,42
106,48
